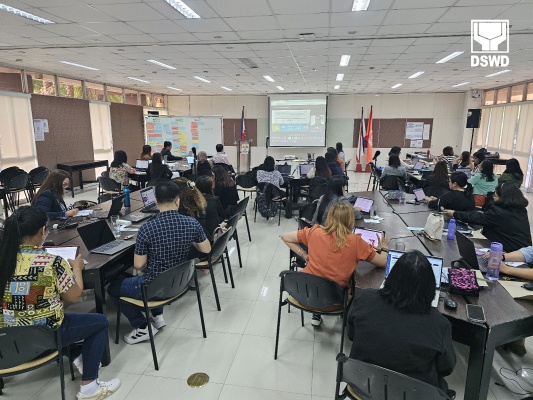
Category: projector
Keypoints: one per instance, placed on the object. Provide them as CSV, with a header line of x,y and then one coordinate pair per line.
x,y
289,157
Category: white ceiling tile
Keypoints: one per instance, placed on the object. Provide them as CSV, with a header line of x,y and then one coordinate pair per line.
x,y
79,13
403,29
261,35
59,40
518,12
409,4
137,39
295,33
307,21
356,19
68,30
217,36
297,6
450,27
175,37
463,3
252,23
204,25
421,16
165,26
240,8
111,28
131,12
465,14
361,31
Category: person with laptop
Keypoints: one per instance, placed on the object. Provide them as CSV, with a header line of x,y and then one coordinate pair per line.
x,y
146,153
269,174
34,284
162,243
220,157
166,153
458,198
158,170
465,161
120,170
396,327
49,197
320,170
334,195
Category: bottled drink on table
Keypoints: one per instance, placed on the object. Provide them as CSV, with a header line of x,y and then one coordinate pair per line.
x,y
451,229
127,202
495,258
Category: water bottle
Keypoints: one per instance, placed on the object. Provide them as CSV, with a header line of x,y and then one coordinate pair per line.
x,y
451,229
495,258
127,197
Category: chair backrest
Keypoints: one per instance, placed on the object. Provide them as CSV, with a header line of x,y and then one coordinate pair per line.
x,y
246,181
109,184
5,174
21,344
229,169
171,282
217,249
401,184
389,182
317,190
105,174
18,181
308,211
39,177
373,382
232,223
240,208
311,290
37,170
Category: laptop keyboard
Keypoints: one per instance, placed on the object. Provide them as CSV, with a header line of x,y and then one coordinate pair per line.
x,y
483,263
109,246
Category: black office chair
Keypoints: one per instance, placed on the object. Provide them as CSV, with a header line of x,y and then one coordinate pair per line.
x,y
246,184
375,175
316,189
25,348
241,210
15,184
107,186
370,382
389,182
37,177
311,294
165,289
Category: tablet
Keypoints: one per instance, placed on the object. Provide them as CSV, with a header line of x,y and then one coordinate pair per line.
x,y
364,204
368,235
419,194
65,252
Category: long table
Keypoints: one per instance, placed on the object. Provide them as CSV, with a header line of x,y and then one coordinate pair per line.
x,y
80,166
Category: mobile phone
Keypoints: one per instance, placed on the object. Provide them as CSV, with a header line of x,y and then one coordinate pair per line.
x,y
475,313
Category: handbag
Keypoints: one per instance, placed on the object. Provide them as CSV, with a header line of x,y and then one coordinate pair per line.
x,y
434,226
219,231
463,282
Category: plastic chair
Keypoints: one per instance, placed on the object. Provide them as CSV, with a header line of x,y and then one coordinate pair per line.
x,y
375,174
16,184
246,184
241,210
371,382
108,186
316,190
232,225
165,289
312,294
389,182
25,348
7,173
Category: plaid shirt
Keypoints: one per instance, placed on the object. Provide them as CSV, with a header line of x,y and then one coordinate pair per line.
x,y
166,240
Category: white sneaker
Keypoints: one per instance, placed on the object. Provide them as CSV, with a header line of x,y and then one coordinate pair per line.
x,y
139,335
78,363
105,389
159,321
316,320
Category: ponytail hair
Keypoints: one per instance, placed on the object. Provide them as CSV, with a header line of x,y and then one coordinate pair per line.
x,y
25,222
469,190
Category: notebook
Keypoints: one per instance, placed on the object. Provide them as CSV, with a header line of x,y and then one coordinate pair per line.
x,y
99,239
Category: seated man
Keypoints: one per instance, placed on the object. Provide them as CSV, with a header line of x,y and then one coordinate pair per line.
x,y
166,152
162,243
220,157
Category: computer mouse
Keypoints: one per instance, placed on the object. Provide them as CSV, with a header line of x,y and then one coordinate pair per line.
x,y
528,286
450,304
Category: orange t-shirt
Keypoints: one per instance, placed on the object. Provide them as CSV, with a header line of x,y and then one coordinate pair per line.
x,y
337,265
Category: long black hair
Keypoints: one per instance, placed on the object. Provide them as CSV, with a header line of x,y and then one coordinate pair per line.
x,y
120,157
269,164
512,166
410,285
462,180
334,189
25,222
395,150
321,168
338,147
510,196
156,166
487,170
394,161
441,172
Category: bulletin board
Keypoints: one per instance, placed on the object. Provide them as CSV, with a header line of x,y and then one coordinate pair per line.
x,y
183,132
391,132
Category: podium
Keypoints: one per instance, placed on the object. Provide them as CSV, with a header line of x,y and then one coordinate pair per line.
x,y
244,156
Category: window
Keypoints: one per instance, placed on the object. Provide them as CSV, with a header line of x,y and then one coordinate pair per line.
x,y
114,94
101,132
94,91
529,95
10,80
159,101
517,93
70,88
41,83
131,97
489,97
502,95
147,100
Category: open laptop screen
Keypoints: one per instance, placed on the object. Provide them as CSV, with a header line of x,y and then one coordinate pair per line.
x,y
148,196
419,165
190,160
419,194
142,164
436,264
466,171
284,169
96,234
305,168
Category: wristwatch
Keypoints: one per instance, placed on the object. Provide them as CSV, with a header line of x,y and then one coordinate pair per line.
x,y
503,256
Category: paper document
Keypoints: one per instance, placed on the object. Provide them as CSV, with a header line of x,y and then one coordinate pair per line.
x,y
67,252
481,281
516,290
371,221
84,213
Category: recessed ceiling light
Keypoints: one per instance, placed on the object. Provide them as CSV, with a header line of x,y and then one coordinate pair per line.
x,y
340,77
345,60
183,8
174,88
498,73
360,5
461,84
201,79
226,88
279,87
448,58
268,78
396,86
416,75
161,64
78,65
137,79
25,14
337,87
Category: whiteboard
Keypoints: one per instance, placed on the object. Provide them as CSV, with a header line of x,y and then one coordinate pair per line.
x,y
184,133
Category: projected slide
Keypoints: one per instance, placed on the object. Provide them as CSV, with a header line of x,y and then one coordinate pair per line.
x,y
298,121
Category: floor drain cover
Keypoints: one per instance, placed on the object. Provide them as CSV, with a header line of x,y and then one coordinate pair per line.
x,y
198,379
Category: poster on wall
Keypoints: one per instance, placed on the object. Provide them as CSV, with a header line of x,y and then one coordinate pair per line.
x,y
417,143
414,130
44,123
427,128
38,130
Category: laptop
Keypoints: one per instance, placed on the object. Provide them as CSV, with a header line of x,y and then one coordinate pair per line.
x,y
419,165
436,265
190,160
148,198
369,235
419,195
467,250
304,169
142,165
365,204
99,239
116,205
285,170
466,171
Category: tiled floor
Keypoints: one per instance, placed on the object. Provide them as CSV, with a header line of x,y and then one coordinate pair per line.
x,y
238,353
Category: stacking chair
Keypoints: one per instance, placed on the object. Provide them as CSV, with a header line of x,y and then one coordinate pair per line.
x,y
37,177
165,289
241,210
375,175
371,382
246,184
25,348
14,185
107,186
232,226
389,182
316,190
311,294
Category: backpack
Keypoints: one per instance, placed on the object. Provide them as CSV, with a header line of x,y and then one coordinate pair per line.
x,y
267,209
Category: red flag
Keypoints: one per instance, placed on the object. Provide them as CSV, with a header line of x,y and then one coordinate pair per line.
x,y
243,127
368,138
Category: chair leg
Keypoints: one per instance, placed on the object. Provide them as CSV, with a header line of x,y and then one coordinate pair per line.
x,y
213,282
236,236
255,210
247,225
279,322
229,269
62,375
199,304
1,386
302,314
152,342
224,268
279,212
117,332
70,362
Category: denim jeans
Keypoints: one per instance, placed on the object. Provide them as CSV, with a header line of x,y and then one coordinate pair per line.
x,y
92,329
130,287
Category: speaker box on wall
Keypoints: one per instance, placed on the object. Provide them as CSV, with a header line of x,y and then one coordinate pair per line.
x,y
473,118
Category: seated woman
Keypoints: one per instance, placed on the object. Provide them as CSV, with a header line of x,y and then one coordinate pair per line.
x,y
225,190
320,169
394,168
269,174
214,213
459,197
465,161
157,169
438,178
333,151
334,195
49,197
477,158
55,280
120,169
397,150
396,328
334,250
331,161
146,153
513,173
506,221
483,182
203,165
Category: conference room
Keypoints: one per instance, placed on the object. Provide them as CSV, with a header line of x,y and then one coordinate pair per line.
x,y
270,118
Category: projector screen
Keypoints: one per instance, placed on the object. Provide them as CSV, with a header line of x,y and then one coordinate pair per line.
x,y
298,120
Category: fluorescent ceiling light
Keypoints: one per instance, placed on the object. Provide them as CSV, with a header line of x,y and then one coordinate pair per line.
x,y
25,14
137,79
498,73
345,60
79,65
174,88
340,77
226,88
161,64
448,58
397,86
337,87
360,5
201,79
183,8
268,78
279,87
461,84
416,75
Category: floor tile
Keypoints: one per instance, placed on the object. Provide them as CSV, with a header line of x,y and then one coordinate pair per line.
x,y
247,288
161,388
324,368
270,289
230,392
26,386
